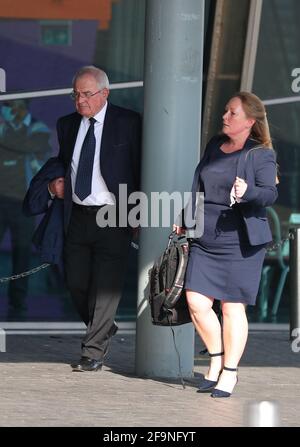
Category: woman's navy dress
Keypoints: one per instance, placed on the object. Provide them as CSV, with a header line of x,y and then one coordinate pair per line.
x,y
222,264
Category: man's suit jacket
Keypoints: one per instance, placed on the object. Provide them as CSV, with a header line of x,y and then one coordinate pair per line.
x,y
119,153
257,166
49,235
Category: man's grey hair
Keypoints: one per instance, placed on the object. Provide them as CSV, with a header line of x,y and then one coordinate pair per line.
x,y
97,73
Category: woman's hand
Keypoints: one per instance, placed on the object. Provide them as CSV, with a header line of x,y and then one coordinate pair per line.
x,y
179,230
240,187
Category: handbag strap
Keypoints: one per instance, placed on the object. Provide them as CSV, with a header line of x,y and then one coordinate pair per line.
x,y
177,286
241,166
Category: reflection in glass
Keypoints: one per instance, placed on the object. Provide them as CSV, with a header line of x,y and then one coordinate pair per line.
x,y
48,52
277,56
24,147
40,50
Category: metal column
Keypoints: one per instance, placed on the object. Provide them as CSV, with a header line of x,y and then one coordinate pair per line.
x,y
171,148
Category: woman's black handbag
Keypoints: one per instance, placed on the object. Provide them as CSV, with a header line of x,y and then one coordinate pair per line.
x,y
167,296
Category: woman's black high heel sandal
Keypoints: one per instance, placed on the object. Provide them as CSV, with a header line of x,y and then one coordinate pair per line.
x,y
205,384
221,393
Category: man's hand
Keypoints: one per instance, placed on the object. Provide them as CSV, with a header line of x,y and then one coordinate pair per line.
x,y
57,187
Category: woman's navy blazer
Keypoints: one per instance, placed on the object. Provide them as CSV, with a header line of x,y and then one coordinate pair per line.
x,y
257,166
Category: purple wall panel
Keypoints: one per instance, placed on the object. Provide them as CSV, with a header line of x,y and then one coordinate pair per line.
x,y
30,65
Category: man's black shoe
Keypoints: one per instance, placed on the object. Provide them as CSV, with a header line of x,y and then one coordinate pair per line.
x,y
74,364
86,364
113,330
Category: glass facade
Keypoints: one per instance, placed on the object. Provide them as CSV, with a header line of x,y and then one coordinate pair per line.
x,y
277,56
45,54
224,60
40,52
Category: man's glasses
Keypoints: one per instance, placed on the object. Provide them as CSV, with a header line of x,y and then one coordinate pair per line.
x,y
86,95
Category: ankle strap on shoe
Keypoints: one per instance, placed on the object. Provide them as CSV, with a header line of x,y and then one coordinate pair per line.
x,y
229,369
216,355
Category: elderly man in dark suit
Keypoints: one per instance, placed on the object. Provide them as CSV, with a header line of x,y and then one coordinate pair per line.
x,y
100,150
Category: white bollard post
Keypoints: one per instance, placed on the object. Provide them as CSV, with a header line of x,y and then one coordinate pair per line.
x,y
263,414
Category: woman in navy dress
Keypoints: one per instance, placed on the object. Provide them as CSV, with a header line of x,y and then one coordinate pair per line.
x,y
237,175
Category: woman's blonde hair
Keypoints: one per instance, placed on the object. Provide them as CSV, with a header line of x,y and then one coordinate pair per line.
x,y
254,108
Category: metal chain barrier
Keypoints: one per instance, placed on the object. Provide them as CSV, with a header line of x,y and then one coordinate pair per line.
x,y
279,244
43,266
40,267
23,274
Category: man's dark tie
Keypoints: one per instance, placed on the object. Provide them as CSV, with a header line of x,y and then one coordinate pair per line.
x,y
83,184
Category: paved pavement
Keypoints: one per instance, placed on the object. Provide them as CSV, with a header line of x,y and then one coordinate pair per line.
x,y
37,387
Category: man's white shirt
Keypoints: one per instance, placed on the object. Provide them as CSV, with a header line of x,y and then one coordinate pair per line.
x,y
99,194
